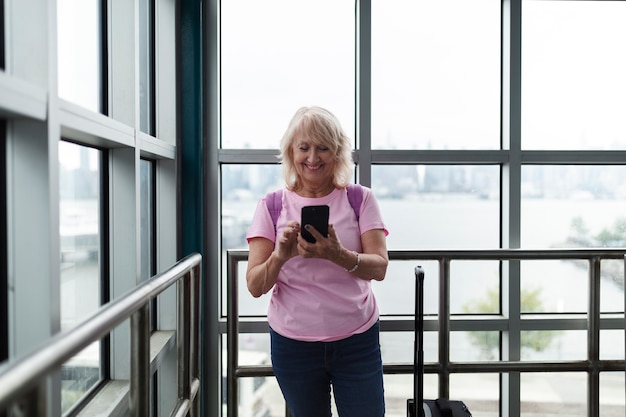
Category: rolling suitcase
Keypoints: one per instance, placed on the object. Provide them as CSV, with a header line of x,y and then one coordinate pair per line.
x,y
441,407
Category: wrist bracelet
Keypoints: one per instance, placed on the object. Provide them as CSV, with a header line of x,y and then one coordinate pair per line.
x,y
356,265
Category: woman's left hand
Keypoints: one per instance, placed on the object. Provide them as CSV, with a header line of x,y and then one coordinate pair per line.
x,y
372,261
324,247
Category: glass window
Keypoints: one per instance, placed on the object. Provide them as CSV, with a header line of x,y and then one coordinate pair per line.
x,y
436,74
2,41
479,392
279,55
4,296
573,206
612,400
612,344
147,245
439,206
474,346
79,48
81,237
573,86
553,345
554,393
242,188
147,218
146,66
577,206
542,284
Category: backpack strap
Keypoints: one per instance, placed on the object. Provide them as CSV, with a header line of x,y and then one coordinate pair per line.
x,y
355,197
274,201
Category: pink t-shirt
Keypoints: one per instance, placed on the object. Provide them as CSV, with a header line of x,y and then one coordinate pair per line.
x,y
316,299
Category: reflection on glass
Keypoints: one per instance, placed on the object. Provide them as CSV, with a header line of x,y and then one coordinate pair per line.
x,y
554,394
439,206
279,55
436,74
480,392
612,400
79,185
572,75
79,48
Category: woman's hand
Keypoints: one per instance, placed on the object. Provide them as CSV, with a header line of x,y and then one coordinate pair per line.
x,y
372,261
264,262
324,247
288,241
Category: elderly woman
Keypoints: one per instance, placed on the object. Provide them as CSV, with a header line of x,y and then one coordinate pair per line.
x,y
323,316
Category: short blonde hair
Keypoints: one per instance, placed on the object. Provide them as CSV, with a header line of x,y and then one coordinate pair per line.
x,y
322,128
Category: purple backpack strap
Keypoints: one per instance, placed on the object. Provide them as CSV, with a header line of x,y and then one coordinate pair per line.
x,y
355,197
274,202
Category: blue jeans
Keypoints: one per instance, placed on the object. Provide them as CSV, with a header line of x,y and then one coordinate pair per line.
x,y
306,370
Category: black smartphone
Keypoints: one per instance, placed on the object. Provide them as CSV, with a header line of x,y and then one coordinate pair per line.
x,y
316,216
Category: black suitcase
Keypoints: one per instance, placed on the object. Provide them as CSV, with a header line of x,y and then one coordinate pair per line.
x,y
441,407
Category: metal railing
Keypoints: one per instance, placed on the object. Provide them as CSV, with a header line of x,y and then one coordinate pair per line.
x,y
23,382
442,324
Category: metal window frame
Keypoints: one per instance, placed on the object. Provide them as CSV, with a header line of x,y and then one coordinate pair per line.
x,y
443,323
511,157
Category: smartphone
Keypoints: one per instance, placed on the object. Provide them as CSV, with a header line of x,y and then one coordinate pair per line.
x,y
316,216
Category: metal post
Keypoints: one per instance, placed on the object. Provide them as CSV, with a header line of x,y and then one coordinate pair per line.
x,y
232,321
444,326
593,337
195,346
182,336
140,362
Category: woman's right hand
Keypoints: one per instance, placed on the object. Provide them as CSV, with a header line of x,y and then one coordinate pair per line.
x,y
288,241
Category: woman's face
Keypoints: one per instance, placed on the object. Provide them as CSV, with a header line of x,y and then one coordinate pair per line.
x,y
315,163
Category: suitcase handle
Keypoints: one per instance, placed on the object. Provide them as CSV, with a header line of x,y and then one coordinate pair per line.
x,y
418,343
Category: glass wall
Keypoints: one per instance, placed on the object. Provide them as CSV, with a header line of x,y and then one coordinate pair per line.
x,y
423,98
79,172
146,66
80,52
273,61
82,291
573,88
4,282
2,42
462,152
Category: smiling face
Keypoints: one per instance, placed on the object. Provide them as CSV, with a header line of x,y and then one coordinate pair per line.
x,y
316,153
314,162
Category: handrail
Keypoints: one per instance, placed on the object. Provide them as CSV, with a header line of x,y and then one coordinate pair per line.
x,y
18,378
444,257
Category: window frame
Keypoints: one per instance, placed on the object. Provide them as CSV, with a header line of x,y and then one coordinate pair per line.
x,y
510,157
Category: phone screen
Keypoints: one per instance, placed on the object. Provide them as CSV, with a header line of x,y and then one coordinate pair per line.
x,y
316,216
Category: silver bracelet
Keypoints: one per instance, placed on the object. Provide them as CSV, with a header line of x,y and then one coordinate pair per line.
x,y
356,265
